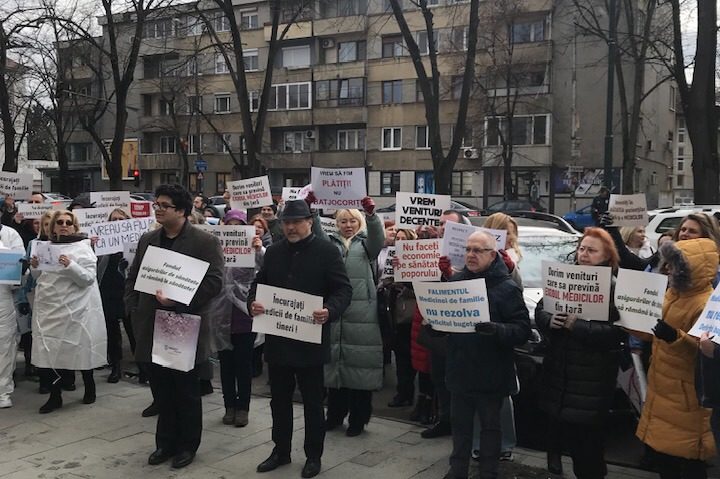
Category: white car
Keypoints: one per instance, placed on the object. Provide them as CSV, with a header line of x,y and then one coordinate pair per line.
x,y
667,219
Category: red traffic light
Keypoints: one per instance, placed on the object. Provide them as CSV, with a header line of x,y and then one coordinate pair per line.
x,y
136,173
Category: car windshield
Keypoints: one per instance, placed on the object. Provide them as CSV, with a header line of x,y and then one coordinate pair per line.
x,y
536,249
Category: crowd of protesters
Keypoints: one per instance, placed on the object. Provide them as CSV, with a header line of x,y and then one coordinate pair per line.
x,y
457,384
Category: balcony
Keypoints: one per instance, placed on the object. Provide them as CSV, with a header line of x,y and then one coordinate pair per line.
x,y
337,115
324,159
523,156
340,25
287,160
285,118
301,29
340,159
159,161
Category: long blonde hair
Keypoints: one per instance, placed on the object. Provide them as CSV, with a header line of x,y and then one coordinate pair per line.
x,y
501,221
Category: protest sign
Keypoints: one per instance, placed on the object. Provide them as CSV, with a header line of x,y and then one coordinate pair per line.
x,y
10,266
288,314
291,193
455,238
628,210
48,254
141,209
129,250
328,225
33,211
338,187
416,209
418,260
580,290
116,199
89,216
250,193
177,275
387,270
17,185
236,242
454,307
639,299
175,339
709,320
112,235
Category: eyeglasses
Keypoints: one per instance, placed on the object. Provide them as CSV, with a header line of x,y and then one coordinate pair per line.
x,y
162,206
585,249
64,222
469,250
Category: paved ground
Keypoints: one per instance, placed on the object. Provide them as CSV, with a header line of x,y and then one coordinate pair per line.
x,y
110,440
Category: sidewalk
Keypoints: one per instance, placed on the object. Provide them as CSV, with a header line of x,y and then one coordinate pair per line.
x,y
109,439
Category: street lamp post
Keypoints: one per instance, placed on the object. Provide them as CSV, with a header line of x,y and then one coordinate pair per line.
x,y
612,48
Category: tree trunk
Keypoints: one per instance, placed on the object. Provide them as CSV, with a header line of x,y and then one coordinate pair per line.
x,y
114,169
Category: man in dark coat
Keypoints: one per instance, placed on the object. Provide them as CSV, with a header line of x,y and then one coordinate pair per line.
x,y
301,262
600,205
480,366
177,393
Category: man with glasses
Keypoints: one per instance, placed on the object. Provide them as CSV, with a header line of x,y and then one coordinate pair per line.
x,y
480,366
176,393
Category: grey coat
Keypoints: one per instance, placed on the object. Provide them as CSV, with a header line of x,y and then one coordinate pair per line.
x,y
356,349
142,306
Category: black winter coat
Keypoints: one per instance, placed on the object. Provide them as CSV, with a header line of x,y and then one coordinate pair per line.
x,y
311,266
580,367
484,364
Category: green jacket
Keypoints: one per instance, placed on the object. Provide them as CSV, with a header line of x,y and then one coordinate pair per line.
x,y
356,350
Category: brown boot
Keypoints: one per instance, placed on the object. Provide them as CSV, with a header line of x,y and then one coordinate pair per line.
x,y
229,417
241,418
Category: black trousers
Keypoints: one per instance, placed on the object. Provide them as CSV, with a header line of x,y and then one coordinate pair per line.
x,y
177,396
586,444
310,380
464,407
437,373
672,467
425,384
403,363
355,402
114,309
236,368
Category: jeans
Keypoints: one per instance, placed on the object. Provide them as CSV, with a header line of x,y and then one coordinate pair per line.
x,y
507,425
177,396
236,368
464,407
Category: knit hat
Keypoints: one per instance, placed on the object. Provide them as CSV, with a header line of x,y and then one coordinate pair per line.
x,y
235,215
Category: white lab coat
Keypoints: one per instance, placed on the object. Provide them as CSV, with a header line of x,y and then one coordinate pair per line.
x,y
9,239
68,321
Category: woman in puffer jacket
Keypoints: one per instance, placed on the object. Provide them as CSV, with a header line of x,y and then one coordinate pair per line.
x,y
673,423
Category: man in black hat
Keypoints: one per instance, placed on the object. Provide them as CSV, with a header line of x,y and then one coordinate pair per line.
x,y
301,262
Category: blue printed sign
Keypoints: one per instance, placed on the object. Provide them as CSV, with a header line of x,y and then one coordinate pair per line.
x,y
709,320
10,266
454,307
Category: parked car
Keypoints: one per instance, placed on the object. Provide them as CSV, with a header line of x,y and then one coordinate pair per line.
x,y
667,219
140,196
581,218
533,218
515,205
218,204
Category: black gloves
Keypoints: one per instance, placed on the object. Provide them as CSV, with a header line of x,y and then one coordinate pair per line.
x,y
665,332
486,329
605,220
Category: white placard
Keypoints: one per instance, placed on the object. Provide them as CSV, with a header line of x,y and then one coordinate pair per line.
x,y
33,211
250,193
177,275
175,339
639,299
417,209
455,238
418,260
387,270
329,225
113,235
116,199
48,254
17,185
288,314
338,187
89,216
580,290
236,242
455,307
291,193
628,210
129,250
709,320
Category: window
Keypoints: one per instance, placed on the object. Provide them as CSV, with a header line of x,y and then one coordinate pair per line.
x,y
223,143
526,130
681,164
195,104
680,181
350,140
345,91
248,20
167,144
296,141
221,181
456,83
422,140
290,96
351,51
222,103
422,41
388,7
392,92
147,104
79,152
391,138
194,183
389,182
222,23
296,57
250,60
167,108
419,97
460,38
392,46
528,31
159,28
254,98
342,8
195,26
467,139
193,144
220,65
462,183
192,68
672,99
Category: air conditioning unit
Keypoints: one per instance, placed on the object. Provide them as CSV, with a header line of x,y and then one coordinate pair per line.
x,y
310,134
327,43
470,153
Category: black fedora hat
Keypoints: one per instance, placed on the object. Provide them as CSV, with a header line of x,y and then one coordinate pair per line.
x,y
295,210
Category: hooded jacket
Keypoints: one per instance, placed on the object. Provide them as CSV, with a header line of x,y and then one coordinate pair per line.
x,y
672,421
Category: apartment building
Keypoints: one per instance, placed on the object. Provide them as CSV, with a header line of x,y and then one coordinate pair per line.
x,y
345,93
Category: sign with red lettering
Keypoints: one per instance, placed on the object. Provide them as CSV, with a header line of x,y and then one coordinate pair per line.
x,y
141,209
338,188
573,289
250,193
418,260
418,209
236,242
